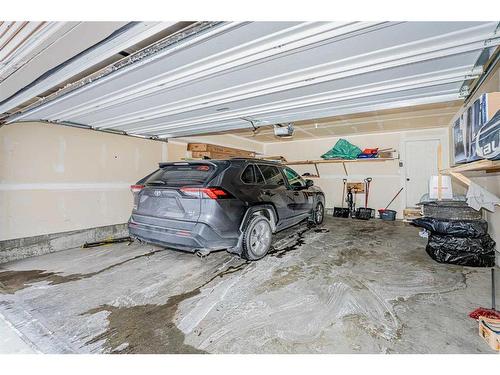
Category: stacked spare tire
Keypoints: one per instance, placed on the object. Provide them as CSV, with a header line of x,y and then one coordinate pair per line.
x,y
457,236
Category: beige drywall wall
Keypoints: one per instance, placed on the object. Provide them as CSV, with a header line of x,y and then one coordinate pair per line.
x,y
55,178
388,176
177,151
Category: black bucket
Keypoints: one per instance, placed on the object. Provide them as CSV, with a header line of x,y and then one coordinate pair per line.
x,y
363,213
388,215
340,212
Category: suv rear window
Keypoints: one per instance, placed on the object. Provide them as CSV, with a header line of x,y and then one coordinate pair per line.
x,y
272,175
248,175
181,175
252,175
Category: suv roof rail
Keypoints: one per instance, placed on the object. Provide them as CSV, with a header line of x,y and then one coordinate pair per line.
x,y
187,162
256,160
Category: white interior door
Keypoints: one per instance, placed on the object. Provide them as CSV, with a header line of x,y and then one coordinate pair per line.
x,y
421,164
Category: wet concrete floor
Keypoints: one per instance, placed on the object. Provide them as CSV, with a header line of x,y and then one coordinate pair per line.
x,y
348,286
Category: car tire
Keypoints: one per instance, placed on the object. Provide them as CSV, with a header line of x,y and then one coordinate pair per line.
x,y
318,214
257,238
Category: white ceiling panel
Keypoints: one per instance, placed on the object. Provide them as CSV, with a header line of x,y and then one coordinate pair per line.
x,y
271,72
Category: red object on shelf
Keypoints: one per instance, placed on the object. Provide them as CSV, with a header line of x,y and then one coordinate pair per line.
x,y
370,151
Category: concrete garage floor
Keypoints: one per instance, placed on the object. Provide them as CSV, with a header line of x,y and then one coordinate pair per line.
x,y
347,287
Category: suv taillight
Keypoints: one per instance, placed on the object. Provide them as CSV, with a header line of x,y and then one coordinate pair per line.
x,y
136,188
210,192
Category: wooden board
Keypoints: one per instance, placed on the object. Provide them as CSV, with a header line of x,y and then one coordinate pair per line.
x,y
214,155
480,165
493,103
386,154
412,213
327,161
274,157
207,147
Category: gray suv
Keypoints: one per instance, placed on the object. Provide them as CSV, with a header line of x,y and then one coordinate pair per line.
x,y
208,205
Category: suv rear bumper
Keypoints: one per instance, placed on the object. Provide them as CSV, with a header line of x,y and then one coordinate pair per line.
x,y
177,235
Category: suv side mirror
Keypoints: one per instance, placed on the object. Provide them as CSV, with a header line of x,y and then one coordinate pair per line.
x,y
309,183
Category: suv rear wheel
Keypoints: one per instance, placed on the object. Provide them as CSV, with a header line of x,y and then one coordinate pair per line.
x,y
257,238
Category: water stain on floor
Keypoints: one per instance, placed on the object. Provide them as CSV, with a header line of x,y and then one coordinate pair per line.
x,y
281,278
147,329
150,329
13,281
297,240
351,255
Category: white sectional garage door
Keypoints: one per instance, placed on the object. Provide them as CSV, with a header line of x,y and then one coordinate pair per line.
x,y
228,75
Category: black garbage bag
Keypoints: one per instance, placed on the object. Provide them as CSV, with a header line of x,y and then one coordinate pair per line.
x,y
456,228
472,252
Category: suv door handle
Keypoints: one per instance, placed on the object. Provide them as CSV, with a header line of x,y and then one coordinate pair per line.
x,y
296,193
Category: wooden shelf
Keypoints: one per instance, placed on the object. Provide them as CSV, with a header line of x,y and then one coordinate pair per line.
x,y
328,161
488,166
481,166
333,161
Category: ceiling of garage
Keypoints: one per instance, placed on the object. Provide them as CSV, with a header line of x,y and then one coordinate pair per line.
x,y
221,76
425,116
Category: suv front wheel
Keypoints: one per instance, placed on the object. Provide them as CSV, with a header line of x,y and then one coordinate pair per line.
x,y
318,214
257,238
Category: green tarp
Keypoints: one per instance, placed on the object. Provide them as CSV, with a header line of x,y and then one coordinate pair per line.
x,y
342,150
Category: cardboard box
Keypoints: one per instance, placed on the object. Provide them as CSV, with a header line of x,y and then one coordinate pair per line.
x,y
459,139
207,147
197,147
446,187
489,331
386,154
469,123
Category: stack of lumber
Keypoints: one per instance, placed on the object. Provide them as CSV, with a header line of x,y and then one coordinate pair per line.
x,y
273,158
410,213
206,150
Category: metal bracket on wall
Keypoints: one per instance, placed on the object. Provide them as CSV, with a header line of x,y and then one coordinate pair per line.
x,y
345,169
317,170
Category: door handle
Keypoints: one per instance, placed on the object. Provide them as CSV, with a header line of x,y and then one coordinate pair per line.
x,y
296,193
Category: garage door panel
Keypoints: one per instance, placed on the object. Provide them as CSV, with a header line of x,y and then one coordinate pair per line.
x,y
295,110
269,70
291,83
199,93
